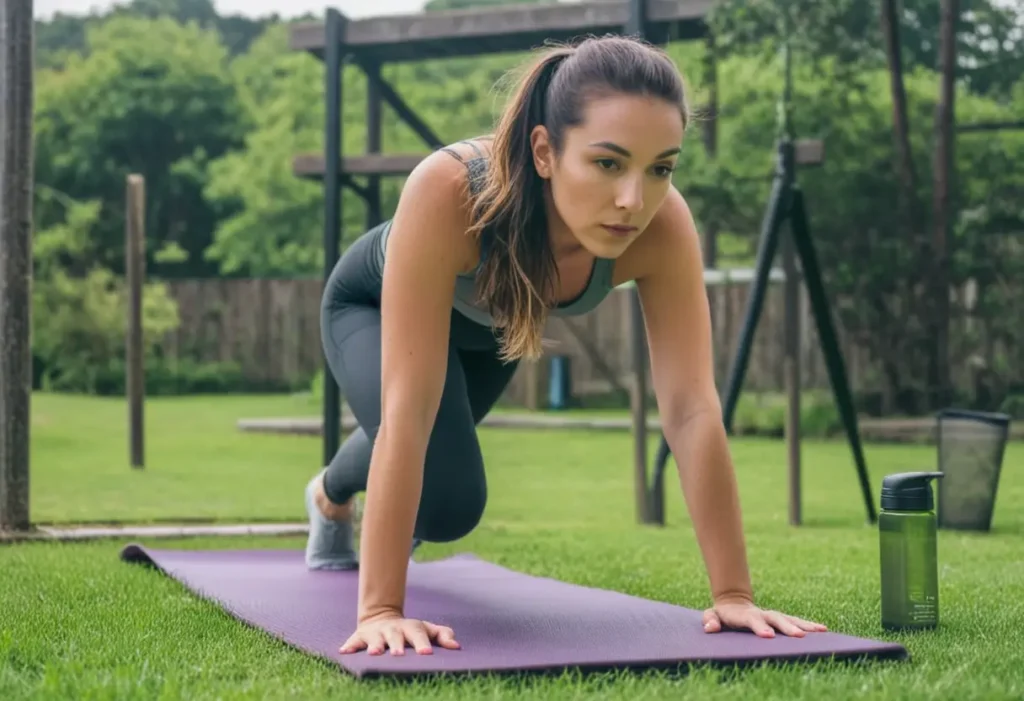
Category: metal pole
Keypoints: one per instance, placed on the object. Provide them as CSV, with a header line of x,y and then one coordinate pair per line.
x,y
637,23
332,209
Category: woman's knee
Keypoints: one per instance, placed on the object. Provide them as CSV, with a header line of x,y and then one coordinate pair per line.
x,y
450,521
452,503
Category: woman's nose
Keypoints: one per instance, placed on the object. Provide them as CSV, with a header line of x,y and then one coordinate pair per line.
x,y
630,195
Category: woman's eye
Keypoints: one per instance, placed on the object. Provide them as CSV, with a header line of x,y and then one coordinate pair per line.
x,y
605,162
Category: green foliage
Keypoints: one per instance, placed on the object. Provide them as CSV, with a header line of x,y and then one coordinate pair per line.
x,y
316,386
64,36
990,45
80,312
174,377
764,414
271,221
161,88
1014,406
151,97
843,31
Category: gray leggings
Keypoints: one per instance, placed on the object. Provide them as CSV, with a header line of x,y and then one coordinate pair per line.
x,y
454,484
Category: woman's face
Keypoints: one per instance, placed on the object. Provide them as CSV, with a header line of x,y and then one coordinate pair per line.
x,y
614,171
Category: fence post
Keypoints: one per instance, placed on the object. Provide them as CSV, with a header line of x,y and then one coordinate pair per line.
x,y
135,384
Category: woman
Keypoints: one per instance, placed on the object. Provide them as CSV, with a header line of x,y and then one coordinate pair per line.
x,y
425,317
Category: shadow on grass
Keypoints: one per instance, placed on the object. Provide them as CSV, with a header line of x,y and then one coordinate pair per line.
x,y
846,523
840,523
598,676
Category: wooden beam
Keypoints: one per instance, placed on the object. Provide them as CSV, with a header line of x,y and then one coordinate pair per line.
x,y
477,31
989,126
374,141
404,112
312,165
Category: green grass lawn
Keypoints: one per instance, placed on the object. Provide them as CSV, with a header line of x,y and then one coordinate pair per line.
x,y
77,623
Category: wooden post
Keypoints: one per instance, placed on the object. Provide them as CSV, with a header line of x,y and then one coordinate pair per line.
x,y
134,265
16,188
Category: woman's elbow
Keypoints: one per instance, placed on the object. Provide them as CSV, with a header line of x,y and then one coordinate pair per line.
x,y
683,408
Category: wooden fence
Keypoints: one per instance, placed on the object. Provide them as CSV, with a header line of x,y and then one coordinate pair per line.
x,y
270,328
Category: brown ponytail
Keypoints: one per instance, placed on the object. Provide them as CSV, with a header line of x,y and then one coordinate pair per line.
x,y
518,275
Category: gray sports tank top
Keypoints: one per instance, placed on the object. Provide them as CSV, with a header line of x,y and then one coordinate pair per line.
x,y
466,301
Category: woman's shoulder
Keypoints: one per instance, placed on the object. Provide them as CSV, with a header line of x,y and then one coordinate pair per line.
x,y
472,149
437,198
452,173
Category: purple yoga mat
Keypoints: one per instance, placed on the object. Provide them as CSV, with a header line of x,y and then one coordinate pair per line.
x,y
505,621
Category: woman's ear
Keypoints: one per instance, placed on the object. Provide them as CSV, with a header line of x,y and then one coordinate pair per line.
x,y
543,154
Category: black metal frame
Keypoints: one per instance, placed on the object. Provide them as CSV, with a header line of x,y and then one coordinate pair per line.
x,y
787,202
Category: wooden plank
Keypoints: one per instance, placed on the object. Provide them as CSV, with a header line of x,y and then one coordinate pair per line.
x,y
394,38
312,165
281,341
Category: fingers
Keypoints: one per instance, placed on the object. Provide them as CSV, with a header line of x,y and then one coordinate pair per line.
x,y
395,637
756,622
738,617
761,622
783,624
417,635
394,634
444,635
809,626
353,644
375,642
789,625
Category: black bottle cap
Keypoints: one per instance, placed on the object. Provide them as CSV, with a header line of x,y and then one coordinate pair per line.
x,y
908,491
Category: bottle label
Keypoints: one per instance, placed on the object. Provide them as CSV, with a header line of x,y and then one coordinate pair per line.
x,y
921,602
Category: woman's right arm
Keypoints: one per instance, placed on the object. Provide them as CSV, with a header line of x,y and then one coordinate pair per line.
x,y
427,248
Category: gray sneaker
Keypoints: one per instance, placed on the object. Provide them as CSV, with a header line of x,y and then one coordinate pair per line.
x,y
330,543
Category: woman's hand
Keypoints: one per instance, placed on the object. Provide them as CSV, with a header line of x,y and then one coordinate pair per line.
x,y
379,634
745,615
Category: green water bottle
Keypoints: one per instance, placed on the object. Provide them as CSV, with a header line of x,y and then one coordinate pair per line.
x,y
907,530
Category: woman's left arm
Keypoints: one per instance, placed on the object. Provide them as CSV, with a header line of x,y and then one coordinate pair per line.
x,y
678,321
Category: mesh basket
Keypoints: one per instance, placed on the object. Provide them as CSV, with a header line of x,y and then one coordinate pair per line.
x,y
971,445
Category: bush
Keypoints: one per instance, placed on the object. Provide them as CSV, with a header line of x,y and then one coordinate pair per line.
x,y
165,377
764,414
79,308
80,325
1014,406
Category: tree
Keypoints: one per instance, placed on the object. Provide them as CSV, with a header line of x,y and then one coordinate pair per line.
x,y
941,208
152,97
